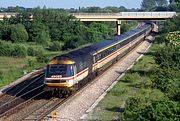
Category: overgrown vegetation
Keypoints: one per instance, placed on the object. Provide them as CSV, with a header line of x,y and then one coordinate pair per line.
x,y
150,91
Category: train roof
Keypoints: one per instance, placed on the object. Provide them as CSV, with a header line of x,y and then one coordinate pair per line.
x,y
103,44
87,52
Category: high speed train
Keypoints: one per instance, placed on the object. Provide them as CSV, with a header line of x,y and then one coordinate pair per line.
x,y
65,71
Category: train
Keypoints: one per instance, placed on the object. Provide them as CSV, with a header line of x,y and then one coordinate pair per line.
x,y
66,71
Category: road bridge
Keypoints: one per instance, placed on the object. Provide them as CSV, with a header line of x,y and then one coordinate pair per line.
x,y
124,16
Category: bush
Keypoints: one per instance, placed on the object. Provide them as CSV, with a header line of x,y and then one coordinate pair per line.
x,y
19,51
167,80
168,57
133,107
35,50
18,33
160,111
42,58
56,46
132,77
6,48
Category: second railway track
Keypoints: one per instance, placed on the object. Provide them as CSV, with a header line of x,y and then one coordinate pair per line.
x,y
19,93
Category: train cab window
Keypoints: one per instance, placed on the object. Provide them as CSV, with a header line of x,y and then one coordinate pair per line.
x,y
58,69
63,70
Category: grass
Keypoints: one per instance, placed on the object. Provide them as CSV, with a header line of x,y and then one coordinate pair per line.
x,y
13,68
136,82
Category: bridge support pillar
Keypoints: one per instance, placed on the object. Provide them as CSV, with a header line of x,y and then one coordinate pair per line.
x,y
118,22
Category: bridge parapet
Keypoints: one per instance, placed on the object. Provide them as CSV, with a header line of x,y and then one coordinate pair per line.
x,y
123,16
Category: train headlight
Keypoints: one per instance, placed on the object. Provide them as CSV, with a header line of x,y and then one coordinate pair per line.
x,y
71,82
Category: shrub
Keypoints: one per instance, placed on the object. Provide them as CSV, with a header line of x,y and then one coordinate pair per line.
x,y
133,107
56,46
6,48
42,59
18,33
160,111
19,51
133,77
35,50
168,57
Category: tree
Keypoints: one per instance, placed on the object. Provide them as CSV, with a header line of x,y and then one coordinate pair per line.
x,y
5,29
174,5
171,1
162,3
18,33
151,5
39,33
148,5
97,32
172,24
111,9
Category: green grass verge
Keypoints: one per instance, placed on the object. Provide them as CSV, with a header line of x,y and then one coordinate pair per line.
x,y
13,68
136,82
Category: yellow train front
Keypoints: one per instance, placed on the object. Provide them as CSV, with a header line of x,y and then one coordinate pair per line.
x,y
59,73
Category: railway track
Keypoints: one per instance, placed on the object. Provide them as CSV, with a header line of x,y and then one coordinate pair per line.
x,y
19,89
42,110
35,108
20,104
19,93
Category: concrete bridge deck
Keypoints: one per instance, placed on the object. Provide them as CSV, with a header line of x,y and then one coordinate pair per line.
x,y
124,16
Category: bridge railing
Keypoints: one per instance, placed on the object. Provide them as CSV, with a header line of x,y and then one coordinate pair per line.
x,y
124,14
168,14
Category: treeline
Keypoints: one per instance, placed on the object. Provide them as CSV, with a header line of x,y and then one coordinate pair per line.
x,y
164,77
160,5
53,29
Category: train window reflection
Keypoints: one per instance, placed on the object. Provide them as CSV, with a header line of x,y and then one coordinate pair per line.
x,y
64,70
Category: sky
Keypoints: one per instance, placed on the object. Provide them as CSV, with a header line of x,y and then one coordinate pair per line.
x,y
70,3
